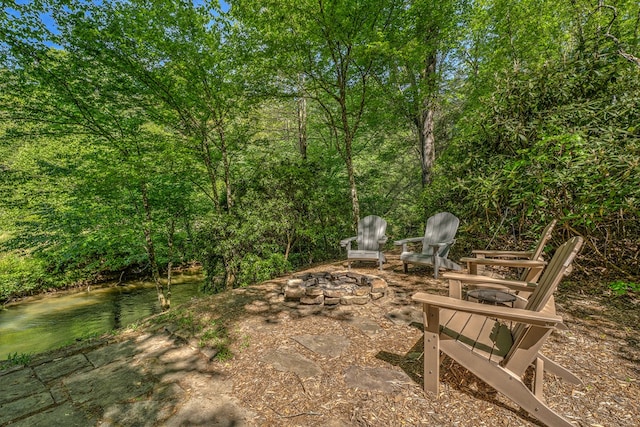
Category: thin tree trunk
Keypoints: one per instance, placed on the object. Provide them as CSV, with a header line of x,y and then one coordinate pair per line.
x,y
427,145
301,107
352,185
302,127
211,172
227,168
170,235
151,253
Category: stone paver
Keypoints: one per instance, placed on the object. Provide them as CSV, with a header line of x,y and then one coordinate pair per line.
x,y
405,316
61,367
108,384
326,345
64,415
368,326
108,354
25,406
148,381
16,384
287,360
380,379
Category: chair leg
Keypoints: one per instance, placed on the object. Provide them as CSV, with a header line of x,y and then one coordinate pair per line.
x,y
554,368
538,378
504,382
432,359
405,267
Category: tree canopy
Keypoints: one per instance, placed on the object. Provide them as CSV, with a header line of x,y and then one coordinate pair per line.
x,y
138,135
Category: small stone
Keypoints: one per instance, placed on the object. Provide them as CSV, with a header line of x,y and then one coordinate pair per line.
x,y
294,283
365,281
290,304
312,300
353,299
362,290
378,285
314,291
376,295
331,301
294,293
335,293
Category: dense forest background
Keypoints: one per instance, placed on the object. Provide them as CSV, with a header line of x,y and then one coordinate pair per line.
x,y
249,136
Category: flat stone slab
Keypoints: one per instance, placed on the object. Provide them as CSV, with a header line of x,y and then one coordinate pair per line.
x,y
326,345
105,355
25,406
155,411
287,360
209,411
368,326
60,367
405,316
108,384
17,384
63,415
375,379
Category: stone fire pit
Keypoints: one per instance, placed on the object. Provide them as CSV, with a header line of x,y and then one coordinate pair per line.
x,y
334,288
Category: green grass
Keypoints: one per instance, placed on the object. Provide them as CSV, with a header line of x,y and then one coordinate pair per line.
x,y
14,359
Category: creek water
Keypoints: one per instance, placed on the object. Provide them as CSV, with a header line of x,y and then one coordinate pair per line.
x,y
47,322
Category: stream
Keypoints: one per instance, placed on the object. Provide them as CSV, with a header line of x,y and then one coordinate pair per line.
x,y
51,321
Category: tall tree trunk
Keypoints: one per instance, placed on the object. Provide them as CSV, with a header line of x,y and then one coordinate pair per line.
x,y
170,235
302,126
425,122
211,171
301,109
227,167
426,140
151,253
352,183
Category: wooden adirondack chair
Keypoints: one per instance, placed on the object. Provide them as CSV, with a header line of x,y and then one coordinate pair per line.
x,y
478,337
436,242
370,241
531,261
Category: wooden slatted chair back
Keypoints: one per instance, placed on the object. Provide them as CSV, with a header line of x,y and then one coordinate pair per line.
x,y
441,227
537,252
558,267
370,229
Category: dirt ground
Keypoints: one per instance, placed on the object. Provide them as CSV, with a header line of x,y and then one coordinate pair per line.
x,y
601,346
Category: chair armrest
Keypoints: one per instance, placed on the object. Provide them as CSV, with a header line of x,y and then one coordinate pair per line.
x,y
409,240
437,245
405,242
506,313
528,263
345,242
505,254
474,279
382,240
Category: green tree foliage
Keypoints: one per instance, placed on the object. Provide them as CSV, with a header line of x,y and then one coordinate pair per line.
x,y
137,135
330,46
554,139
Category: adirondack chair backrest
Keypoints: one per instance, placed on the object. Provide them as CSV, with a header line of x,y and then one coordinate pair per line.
x,y
441,227
370,229
537,252
558,267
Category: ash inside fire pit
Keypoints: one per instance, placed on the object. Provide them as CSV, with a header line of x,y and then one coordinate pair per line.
x,y
334,288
